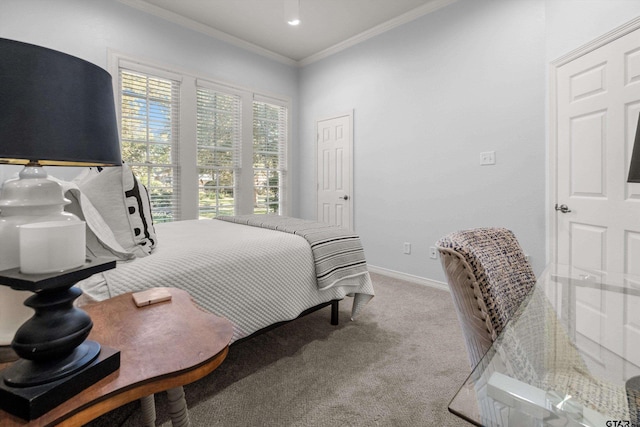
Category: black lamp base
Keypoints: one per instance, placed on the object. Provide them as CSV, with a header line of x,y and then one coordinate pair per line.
x,y
56,360
29,373
31,402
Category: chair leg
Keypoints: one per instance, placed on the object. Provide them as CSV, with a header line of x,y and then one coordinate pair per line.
x,y
178,407
148,405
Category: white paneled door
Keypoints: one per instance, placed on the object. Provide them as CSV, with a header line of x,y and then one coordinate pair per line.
x,y
597,213
598,102
334,169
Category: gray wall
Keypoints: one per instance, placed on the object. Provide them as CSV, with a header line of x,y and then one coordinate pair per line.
x,y
428,97
573,23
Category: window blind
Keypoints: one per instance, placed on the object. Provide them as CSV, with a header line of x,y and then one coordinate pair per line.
x,y
219,144
269,155
230,157
150,128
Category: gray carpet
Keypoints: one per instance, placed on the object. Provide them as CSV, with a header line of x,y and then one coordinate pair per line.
x,y
398,364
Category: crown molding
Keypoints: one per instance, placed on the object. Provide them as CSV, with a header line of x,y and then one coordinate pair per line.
x,y
612,35
220,35
205,29
377,30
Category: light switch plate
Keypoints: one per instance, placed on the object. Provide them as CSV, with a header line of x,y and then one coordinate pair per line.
x,y
488,158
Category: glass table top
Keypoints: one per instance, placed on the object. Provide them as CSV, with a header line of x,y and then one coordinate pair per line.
x,y
570,356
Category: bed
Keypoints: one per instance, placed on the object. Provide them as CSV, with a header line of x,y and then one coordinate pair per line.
x,y
254,276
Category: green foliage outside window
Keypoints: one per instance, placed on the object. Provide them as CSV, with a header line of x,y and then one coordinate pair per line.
x,y
269,131
148,142
218,142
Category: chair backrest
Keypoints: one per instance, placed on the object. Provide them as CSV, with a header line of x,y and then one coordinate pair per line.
x,y
489,277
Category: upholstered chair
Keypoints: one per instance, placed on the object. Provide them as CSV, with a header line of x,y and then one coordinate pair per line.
x,y
489,277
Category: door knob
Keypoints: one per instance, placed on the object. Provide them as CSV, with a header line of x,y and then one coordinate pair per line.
x,y
345,197
563,208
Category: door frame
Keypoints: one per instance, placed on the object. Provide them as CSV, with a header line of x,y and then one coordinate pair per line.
x,y
348,113
552,132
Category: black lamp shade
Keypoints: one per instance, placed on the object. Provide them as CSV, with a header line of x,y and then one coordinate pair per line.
x,y
634,167
55,109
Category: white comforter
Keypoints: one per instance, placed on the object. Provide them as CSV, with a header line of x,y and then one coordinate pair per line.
x,y
254,277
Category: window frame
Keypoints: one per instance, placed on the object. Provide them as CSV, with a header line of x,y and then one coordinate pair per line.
x,y
174,207
281,170
187,155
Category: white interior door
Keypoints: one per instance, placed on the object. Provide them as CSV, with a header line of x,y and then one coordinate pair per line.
x,y
334,170
598,102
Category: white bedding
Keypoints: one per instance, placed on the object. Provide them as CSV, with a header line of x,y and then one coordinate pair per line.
x,y
254,277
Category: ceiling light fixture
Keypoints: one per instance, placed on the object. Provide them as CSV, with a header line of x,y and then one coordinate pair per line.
x,y
292,12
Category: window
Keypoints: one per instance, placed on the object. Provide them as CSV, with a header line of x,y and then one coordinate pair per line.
x,y
202,148
269,155
149,135
218,141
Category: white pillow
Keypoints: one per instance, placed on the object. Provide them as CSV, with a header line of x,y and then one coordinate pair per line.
x,y
124,204
100,238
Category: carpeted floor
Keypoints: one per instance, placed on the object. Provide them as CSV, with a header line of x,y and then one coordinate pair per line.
x,y
398,364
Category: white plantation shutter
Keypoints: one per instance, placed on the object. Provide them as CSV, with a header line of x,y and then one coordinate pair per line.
x,y
270,125
202,148
150,130
219,142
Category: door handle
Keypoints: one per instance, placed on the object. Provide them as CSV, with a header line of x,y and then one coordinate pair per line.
x,y
563,208
345,197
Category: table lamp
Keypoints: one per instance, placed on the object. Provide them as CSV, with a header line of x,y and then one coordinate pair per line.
x,y
634,167
55,110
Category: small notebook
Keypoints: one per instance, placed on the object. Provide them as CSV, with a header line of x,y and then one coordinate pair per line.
x,y
151,296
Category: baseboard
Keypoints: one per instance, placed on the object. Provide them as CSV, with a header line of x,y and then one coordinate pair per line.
x,y
408,277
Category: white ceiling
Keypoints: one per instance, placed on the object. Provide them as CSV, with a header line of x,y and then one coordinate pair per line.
x,y
326,27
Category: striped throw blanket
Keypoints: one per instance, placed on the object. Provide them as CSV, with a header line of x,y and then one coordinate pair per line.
x,y
337,252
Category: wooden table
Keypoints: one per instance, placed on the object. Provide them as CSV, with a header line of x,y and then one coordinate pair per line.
x,y
163,347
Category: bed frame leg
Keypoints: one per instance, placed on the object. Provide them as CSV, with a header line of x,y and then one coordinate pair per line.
x,y
334,311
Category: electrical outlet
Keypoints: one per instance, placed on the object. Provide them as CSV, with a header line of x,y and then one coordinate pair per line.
x,y
433,252
407,248
488,158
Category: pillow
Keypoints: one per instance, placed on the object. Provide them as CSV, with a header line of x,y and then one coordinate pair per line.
x,y
124,204
100,238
